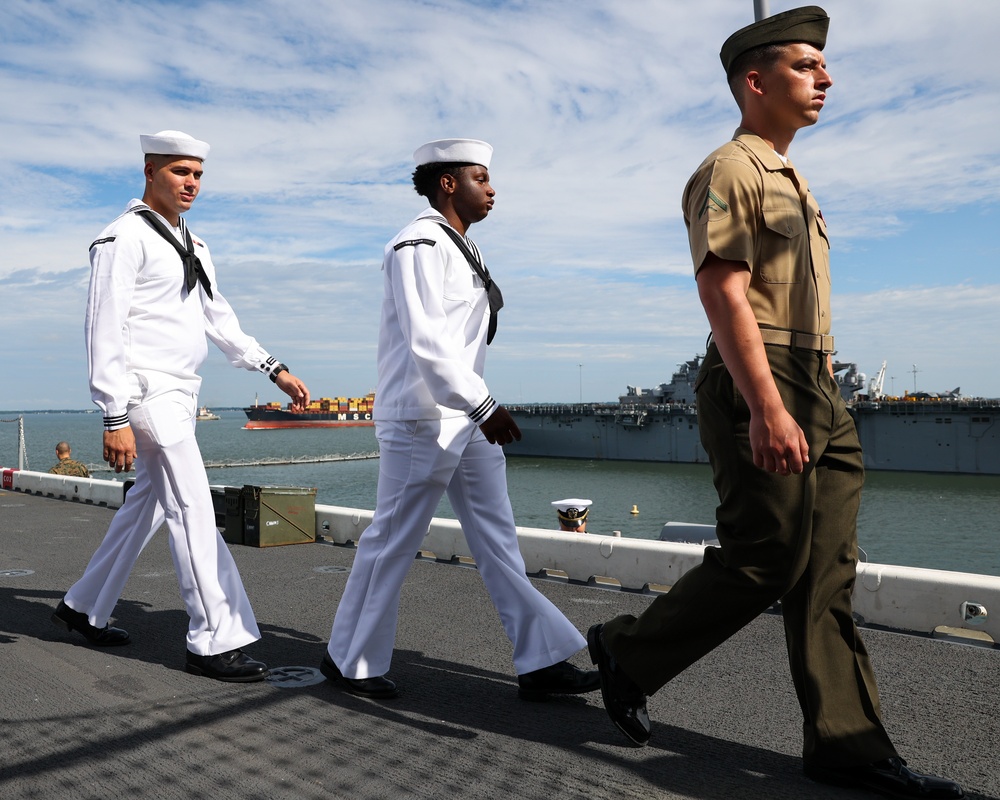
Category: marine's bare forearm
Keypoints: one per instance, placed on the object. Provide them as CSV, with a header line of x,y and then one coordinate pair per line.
x,y
777,441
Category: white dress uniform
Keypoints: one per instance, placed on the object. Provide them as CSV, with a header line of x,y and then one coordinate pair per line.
x,y
146,338
430,401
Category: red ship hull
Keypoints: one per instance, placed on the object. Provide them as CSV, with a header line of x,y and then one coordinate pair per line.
x,y
263,418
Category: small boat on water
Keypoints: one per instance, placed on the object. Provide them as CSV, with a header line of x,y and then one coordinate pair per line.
x,y
205,414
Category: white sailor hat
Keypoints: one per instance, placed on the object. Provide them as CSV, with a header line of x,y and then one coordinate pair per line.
x,y
454,151
173,143
574,509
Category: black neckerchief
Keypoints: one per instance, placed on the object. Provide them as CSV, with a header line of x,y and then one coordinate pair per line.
x,y
193,271
479,267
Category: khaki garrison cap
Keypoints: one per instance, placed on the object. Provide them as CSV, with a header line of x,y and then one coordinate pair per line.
x,y
807,24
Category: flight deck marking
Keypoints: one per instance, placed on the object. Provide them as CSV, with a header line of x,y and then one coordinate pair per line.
x,y
294,677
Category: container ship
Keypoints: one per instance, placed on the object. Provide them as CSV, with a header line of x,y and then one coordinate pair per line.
x,y
922,432
327,412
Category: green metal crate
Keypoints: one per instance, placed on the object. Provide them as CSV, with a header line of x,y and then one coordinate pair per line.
x,y
227,501
276,515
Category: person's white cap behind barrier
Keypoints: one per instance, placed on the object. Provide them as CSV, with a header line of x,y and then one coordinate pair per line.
x,y
572,511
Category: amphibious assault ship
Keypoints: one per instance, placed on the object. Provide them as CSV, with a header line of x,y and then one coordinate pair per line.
x,y
921,432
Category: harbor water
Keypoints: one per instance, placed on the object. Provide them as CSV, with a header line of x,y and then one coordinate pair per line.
x,y
911,519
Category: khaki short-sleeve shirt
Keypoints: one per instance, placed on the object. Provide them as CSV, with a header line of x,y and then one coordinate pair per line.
x,y
745,204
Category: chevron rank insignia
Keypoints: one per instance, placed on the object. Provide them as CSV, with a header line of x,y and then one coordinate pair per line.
x,y
713,203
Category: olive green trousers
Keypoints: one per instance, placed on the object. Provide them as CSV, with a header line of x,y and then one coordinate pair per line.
x,y
792,538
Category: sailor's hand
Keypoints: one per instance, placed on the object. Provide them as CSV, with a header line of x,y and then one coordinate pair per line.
x,y
500,428
778,443
119,449
294,388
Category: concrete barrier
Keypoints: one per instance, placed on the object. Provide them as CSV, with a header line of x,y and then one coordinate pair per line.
x,y
913,600
66,487
905,599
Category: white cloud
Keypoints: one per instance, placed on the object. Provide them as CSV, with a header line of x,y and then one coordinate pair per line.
x,y
599,111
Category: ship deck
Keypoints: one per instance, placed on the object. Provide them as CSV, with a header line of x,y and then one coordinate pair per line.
x,y
80,722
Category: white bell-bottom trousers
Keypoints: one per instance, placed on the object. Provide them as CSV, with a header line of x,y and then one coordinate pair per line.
x,y
418,461
171,485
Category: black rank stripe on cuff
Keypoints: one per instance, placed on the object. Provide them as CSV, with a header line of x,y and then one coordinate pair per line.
x,y
268,366
116,422
483,410
272,368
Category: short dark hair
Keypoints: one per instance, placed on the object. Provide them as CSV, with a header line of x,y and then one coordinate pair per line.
x,y
427,177
763,57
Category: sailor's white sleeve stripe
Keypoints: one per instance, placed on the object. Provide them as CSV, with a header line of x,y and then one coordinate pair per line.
x,y
116,422
482,411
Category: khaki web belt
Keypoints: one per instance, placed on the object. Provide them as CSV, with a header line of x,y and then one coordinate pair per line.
x,y
795,339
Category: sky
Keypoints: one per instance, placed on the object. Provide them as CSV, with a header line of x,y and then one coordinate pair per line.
x,y
598,110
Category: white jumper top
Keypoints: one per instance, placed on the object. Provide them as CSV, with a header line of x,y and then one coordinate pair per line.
x,y
432,337
145,335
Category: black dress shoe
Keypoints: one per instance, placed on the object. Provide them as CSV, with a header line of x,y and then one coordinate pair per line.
x,y
234,666
66,617
561,678
624,701
891,778
378,688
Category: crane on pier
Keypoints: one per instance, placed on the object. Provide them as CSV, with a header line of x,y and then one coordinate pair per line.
x,y
875,387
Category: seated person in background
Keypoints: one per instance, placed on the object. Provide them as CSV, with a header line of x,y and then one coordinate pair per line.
x,y
66,465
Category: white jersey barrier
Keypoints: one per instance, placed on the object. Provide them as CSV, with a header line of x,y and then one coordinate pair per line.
x,y
905,599
65,487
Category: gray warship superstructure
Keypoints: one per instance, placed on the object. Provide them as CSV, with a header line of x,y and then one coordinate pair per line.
x,y
914,433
